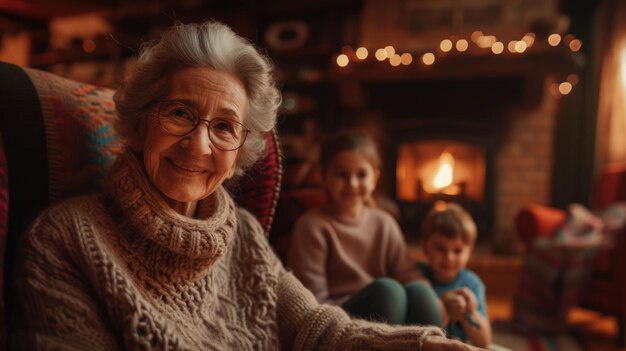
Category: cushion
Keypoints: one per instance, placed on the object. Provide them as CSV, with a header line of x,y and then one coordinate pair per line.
x,y
535,221
80,140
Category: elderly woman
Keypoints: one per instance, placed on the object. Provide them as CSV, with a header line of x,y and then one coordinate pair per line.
x,y
163,259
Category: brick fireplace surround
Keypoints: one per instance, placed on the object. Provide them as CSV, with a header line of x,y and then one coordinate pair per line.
x,y
523,165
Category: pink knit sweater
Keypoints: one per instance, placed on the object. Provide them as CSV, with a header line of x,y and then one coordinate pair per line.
x,y
335,257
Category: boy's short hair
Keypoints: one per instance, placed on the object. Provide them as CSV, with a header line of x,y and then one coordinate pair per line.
x,y
450,220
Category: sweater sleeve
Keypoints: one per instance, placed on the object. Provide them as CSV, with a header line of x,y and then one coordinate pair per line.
x,y
306,325
53,306
308,255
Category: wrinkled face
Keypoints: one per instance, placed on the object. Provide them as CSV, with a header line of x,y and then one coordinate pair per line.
x,y
350,180
189,168
447,257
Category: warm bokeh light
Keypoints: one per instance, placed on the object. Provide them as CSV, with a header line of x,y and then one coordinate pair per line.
x,y
520,46
476,35
395,60
486,41
497,47
428,58
511,45
361,53
565,88
342,60
89,46
445,45
381,54
554,39
462,45
390,51
529,39
573,79
406,59
575,45
568,38
554,90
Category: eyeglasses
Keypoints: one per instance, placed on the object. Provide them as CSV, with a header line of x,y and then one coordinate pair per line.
x,y
178,119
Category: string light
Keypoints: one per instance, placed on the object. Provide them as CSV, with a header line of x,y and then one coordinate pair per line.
x,y
511,46
497,47
395,60
573,79
381,54
445,45
565,88
476,35
428,58
575,45
406,59
554,39
342,60
529,39
478,39
361,53
390,51
462,45
520,46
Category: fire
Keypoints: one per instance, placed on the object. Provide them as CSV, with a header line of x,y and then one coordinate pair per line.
x,y
443,180
445,173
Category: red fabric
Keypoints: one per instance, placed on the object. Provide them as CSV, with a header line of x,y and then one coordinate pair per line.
x,y
534,221
258,189
610,187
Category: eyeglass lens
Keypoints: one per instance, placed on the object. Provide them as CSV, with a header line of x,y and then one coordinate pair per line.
x,y
179,119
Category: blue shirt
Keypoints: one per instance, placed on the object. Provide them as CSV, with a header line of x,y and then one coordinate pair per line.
x,y
467,279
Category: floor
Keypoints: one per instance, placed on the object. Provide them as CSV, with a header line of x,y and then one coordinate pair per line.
x,y
500,274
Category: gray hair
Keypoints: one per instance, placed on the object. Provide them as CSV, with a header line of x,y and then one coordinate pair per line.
x,y
211,45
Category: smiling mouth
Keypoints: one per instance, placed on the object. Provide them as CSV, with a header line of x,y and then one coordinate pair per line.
x,y
185,167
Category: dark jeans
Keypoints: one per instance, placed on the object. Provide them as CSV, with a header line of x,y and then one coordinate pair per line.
x,y
387,300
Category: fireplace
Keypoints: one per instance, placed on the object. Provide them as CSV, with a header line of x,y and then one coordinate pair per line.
x,y
499,135
440,169
450,169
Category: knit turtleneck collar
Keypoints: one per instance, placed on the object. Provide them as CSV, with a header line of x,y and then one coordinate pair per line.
x,y
204,237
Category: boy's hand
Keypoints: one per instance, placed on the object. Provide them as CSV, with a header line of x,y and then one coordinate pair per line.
x,y
455,303
458,302
470,299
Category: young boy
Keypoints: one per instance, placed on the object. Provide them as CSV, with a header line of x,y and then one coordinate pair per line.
x,y
447,238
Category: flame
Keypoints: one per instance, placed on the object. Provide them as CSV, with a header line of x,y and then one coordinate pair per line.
x,y
445,173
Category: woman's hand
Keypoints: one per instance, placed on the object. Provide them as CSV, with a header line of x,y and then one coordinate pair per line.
x,y
441,343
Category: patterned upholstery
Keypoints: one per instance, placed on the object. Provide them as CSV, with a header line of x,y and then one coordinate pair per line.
x,y
58,141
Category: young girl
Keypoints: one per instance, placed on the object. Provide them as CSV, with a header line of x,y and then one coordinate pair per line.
x,y
350,253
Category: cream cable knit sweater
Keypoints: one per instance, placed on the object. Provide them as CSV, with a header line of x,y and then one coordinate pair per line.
x,y
124,271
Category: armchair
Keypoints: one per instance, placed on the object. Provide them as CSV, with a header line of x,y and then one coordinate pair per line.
x,y
605,289
56,141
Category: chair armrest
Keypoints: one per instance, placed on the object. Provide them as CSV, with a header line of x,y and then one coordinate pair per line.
x,y
535,221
